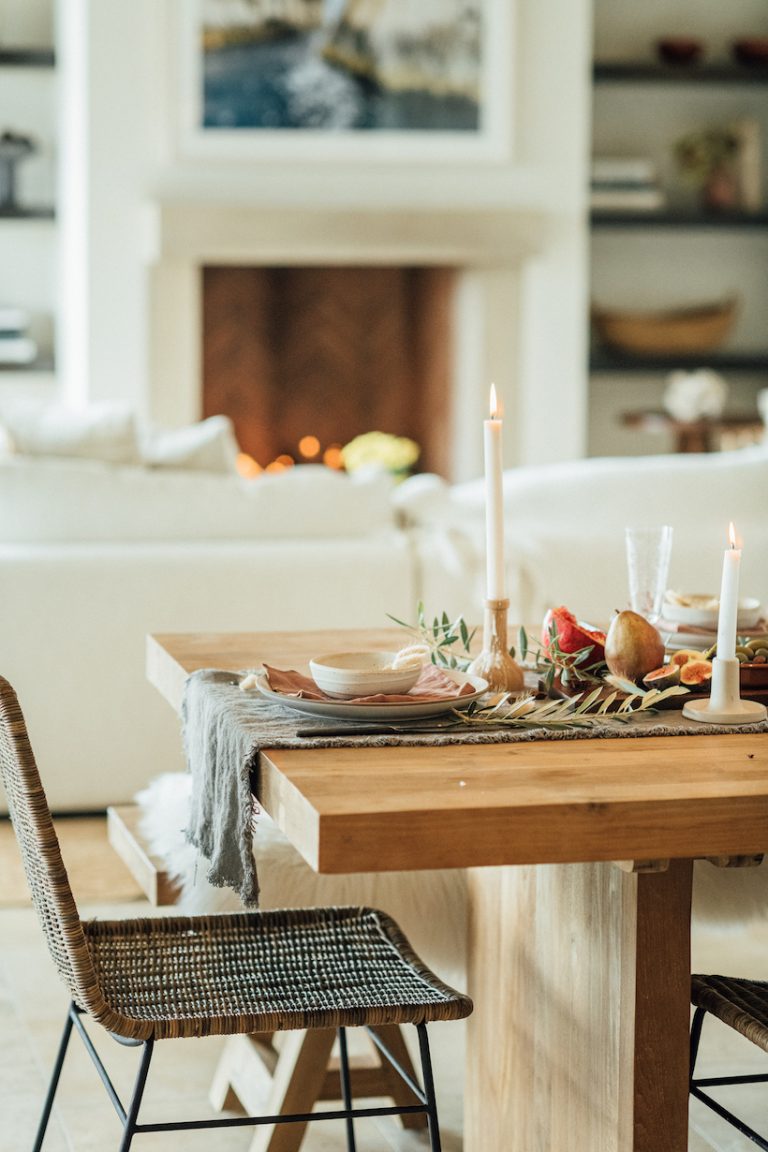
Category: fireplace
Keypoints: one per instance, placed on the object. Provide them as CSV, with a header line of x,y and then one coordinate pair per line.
x,y
303,359
328,322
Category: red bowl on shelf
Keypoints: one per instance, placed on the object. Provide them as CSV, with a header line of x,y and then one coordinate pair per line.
x,y
752,50
679,49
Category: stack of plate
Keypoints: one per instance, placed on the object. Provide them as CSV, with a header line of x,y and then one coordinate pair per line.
x,y
694,620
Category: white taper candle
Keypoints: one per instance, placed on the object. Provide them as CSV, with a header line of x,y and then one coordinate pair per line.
x,y
494,503
729,601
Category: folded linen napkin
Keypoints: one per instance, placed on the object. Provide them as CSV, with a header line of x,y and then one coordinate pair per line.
x,y
432,684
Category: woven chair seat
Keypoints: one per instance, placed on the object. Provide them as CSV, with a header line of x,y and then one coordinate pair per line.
x,y
262,972
742,1004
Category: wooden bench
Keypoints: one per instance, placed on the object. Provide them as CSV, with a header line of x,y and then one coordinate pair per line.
x,y
125,837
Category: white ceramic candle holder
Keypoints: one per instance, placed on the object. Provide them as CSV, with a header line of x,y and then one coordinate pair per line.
x,y
724,704
494,663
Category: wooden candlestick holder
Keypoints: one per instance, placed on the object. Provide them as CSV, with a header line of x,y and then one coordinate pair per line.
x,y
494,663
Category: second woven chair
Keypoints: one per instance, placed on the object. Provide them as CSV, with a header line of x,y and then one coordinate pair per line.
x,y
151,979
742,1005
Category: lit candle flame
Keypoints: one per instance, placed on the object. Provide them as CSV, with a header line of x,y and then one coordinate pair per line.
x,y
732,534
494,404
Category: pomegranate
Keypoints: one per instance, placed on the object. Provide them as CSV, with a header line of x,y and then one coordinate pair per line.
x,y
572,636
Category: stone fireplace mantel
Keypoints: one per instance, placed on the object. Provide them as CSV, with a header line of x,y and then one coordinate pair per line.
x,y
221,232
488,247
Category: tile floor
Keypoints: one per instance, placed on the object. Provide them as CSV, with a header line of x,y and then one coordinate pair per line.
x,y
33,1003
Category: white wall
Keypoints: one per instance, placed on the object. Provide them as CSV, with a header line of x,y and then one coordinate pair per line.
x,y
134,153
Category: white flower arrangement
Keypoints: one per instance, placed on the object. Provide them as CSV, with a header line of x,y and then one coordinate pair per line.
x,y
695,395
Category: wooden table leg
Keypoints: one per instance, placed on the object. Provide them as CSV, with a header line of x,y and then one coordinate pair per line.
x,y
580,975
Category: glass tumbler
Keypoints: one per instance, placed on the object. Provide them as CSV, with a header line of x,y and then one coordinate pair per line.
x,y
648,553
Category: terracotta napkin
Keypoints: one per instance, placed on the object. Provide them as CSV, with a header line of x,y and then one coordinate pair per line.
x,y
432,684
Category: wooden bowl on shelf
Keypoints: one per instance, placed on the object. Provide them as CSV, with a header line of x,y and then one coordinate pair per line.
x,y
677,331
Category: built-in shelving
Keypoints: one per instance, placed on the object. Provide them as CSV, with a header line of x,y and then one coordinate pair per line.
x,y
632,96
34,58
602,360
640,72
678,218
42,364
27,213
27,58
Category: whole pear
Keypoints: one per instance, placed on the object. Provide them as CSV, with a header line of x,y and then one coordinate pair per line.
x,y
633,647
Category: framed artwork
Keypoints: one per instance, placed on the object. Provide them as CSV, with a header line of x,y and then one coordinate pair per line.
x,y
347,78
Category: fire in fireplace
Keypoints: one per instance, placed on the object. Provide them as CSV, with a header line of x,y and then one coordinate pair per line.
x,y
304,359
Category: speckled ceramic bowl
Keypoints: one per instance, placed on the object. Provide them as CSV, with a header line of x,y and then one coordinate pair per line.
x,y
344,675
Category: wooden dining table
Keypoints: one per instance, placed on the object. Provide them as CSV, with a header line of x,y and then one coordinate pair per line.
x,y
579,855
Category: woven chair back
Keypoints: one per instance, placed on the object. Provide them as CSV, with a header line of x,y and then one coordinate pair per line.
x,y
47,877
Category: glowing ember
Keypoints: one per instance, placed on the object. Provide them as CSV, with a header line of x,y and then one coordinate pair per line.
x,y
309,446
332,456
247,466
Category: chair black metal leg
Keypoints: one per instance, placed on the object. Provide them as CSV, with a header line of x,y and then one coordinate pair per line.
x,y
429,1089
346,1088
138,1091
54,1082
696,1026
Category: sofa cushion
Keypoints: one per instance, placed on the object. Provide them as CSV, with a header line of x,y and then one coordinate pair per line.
x,y
709,489
99,432
68,501
209,446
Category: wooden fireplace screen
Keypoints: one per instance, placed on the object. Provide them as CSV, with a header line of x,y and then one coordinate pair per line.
x,y
329,353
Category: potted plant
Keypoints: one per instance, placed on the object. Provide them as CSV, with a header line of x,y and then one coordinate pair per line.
x,y
709,159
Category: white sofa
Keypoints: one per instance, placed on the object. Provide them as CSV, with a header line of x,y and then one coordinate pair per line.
x,y
564,526
95,555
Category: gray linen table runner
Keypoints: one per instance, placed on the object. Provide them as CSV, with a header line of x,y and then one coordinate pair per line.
x,y
224,730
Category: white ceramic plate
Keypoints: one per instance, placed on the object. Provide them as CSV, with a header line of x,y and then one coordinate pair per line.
x,y
345,710
674,641
700,617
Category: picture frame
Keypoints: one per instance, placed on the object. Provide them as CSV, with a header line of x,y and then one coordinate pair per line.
x,y
490,140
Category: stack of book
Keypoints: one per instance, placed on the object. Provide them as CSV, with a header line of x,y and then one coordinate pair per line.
x,y
625,184
16,345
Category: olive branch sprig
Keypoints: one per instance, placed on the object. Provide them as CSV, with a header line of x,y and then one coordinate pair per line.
x,y
578,711
447,641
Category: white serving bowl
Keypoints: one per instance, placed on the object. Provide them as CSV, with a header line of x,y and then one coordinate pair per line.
x,y
701,611
344,675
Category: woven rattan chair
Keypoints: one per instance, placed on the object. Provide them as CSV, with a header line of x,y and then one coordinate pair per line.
x,y
742,1005
153,979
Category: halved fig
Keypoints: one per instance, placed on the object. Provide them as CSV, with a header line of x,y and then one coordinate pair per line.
x,y
662,678
696,673
684,655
